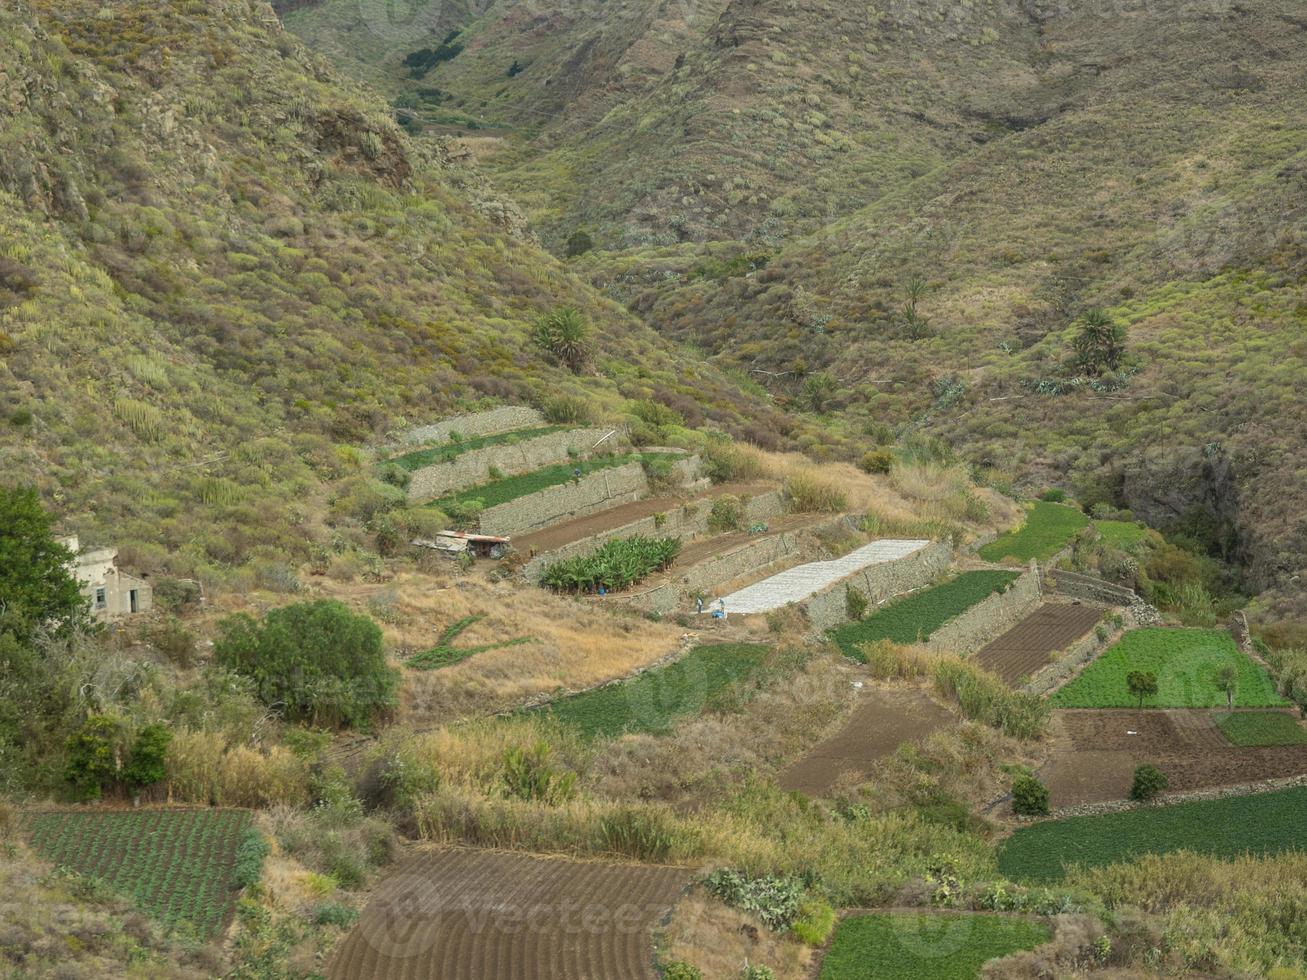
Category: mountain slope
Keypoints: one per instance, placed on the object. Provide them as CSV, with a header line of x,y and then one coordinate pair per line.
x,y
222,267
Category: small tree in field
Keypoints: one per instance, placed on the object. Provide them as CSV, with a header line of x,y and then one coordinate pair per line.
x,y
1142,684
1148,782
1227,679
564,333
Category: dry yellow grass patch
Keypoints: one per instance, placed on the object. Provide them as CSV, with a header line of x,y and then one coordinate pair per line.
x,y
720,941
571,644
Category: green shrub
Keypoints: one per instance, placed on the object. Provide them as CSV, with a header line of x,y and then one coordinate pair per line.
x,y
146,767
247,868
756,971
814,922
579,242
726,514
91,763
1029,796
334,914
562,410
315,661
680,970
530,774
1053,496
773,899
855,603
877,461
1148,782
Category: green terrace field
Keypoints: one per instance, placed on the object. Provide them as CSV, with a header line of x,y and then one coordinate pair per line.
x,y
1262,728
906,946
1268,823
1048,529
515,487
450,451
654,701
178,866
913,619
619,564
1122,534
1185,662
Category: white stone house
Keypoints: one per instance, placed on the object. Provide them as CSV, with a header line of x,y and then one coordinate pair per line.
x,y
110,592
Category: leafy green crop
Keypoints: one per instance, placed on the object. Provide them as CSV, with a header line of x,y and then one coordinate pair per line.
x,y
913,619
653,701
1185,663
1262,728
178,866
1268,823
908,946
1049,528
617,565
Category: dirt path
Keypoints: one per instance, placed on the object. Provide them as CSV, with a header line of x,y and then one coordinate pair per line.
x,y
1025,648
1095,753
484,915
560,535
884,720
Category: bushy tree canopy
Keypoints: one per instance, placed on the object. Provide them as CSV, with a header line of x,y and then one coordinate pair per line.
x,y
37,587
314,661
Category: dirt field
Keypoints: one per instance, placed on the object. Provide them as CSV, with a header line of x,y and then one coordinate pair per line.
x,y
1094,754
884,720
1025,648
473,915
607,520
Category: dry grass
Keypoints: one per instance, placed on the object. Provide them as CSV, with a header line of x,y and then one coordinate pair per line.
x,y
720,941
573,644
202,768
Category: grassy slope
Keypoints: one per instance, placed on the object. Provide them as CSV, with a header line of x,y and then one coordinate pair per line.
x,y
1185,663
221,271
925,947
913,619
1269,823
1048,529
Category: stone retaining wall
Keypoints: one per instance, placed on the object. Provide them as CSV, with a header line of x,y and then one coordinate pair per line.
x,y
684,522
826,609
594,492
1086,587
750,558
990,617
473,467
489,423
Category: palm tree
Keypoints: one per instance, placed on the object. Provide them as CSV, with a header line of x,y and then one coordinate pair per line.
x,y
564,333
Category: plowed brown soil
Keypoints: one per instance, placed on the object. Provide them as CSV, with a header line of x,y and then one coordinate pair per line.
x,y
1025,648
608,520
486,915
1095,753
884,721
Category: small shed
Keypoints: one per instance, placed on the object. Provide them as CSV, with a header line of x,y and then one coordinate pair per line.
x,y
455,543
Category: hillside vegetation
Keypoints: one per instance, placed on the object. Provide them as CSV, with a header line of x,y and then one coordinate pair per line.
x,y
896,217
225,269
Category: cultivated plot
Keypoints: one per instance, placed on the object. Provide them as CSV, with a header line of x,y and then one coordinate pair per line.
x,y
176,865
909,946
1027,647
1095,752
1268,823
881,723
473,915
1048,529
1186,664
